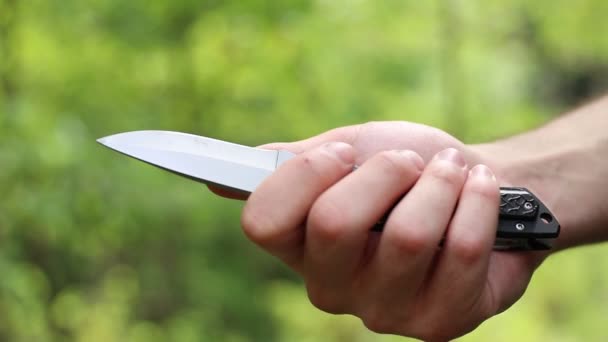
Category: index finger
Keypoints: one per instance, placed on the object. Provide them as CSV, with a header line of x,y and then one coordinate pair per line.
x,y
344,134
275,212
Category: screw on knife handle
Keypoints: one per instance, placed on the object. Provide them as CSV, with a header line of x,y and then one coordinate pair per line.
x,y
524,223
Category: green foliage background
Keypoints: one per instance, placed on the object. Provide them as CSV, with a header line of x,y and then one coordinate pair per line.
x,y
96,247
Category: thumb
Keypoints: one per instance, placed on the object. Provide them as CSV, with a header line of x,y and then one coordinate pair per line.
x,y
345,134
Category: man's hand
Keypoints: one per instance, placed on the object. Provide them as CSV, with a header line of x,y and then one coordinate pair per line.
x,y
315,214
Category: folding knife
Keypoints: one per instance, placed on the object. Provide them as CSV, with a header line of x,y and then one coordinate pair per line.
x,y
525,223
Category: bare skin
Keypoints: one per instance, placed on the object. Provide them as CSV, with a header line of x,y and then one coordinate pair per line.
x,y
315,215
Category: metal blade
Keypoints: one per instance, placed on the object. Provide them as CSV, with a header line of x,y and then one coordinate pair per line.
x,y
203,159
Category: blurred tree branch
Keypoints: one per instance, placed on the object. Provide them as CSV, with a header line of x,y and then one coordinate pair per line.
x,y
564,81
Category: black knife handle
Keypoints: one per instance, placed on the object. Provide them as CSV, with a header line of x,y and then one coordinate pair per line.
x,y
524,223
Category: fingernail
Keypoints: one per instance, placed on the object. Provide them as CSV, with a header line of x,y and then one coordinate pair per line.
x,y
482,171
342,150
414,158
452,155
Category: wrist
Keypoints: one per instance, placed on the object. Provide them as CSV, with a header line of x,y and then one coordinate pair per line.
x,y
569,180
564,163
540,173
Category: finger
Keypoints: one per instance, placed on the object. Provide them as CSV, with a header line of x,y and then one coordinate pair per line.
x,y
415,228
458,282
340,220
228,193
347,134
274,214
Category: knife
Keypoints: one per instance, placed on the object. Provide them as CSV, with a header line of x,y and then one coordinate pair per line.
x,y
525,223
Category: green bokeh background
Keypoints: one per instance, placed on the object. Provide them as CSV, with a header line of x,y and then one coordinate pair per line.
x,y
97,247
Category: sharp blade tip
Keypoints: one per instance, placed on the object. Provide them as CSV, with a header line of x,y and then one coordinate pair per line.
x,y
103,141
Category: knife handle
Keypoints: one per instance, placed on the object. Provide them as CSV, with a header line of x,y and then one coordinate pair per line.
x,y
524,222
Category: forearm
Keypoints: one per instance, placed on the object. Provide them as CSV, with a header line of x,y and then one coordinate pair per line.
x,y
566,164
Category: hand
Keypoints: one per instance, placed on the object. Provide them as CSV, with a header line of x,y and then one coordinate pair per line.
x,y
315,214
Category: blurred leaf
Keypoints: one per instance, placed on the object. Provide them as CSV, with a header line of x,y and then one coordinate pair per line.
x,y
96,247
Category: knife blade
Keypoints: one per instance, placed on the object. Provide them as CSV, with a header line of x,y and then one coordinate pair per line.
x,y
525,223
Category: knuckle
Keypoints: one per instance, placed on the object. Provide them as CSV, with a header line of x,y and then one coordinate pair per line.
x,y
487,190
411,240
427,329
394,162
324,300
250,223
381,323
257,227
447,174
432,335
327,222
378,321
468,250
424,328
